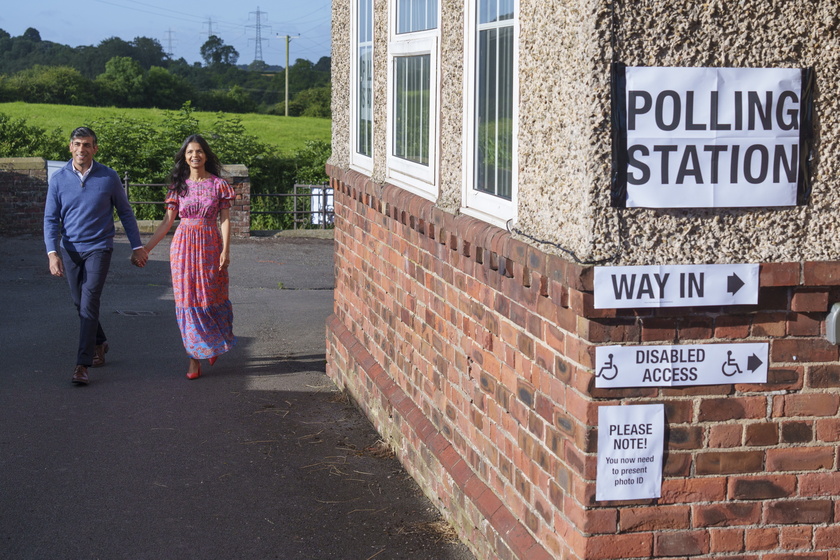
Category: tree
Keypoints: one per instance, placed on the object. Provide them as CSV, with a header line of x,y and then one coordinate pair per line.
x,y
32,34
165,90
324,65
215,52
148,52
91,60
51,84
122,82
313,102
258,66
234,100
113,46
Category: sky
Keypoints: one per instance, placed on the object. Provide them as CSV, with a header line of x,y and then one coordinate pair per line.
x,y
182,26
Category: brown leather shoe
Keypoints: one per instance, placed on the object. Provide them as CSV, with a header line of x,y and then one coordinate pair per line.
x,y
99,354
80,376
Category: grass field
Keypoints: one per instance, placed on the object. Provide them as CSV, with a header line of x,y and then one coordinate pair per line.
x,y
288,134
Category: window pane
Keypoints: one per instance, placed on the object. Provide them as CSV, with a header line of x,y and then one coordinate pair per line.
x,y
364,84
505,10
490,11
416,15
411,108
364,144
365,21
494,112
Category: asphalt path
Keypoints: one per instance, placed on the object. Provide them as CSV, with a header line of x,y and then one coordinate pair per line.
x,y
260,458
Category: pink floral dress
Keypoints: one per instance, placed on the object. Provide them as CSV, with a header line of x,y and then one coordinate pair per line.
x,y
202,307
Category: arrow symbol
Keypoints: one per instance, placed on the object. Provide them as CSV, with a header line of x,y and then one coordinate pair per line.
x,y
734,283
754,362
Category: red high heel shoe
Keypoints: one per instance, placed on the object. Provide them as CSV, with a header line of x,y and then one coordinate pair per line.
x,y
194,374
212,360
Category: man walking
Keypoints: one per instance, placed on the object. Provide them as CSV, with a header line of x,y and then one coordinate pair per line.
x,y
81,199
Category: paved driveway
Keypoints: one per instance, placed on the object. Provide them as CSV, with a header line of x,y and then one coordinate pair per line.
x,y
259,458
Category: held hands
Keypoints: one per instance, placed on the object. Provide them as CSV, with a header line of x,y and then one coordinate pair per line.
x,y
139,257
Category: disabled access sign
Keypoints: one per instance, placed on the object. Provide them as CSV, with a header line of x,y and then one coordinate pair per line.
x,y
681,365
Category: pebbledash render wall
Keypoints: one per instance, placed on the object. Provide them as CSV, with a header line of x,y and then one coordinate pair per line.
x,y
471,349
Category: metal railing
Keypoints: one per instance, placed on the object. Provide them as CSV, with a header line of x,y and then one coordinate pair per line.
x,y
320,198
320,205
127,187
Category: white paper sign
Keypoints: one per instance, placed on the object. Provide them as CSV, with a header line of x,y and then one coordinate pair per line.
x,y
631,440
681,365
623,287
712,137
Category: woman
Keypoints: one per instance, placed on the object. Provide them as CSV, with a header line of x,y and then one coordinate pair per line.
x,y
200,253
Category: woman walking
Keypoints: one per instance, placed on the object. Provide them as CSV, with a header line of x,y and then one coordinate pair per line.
x,y
200,252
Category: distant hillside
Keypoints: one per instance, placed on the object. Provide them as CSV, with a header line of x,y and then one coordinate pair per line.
x,y
139,73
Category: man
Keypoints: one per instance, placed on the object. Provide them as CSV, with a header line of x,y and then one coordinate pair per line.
x,y
81,199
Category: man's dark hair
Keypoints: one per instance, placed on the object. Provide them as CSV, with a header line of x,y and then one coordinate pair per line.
x,y
83,132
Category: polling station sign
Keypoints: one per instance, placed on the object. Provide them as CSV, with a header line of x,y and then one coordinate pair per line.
x,y
711,137
681,365
631,442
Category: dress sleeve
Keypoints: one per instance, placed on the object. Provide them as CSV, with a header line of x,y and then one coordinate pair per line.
x,y
171,200
226,193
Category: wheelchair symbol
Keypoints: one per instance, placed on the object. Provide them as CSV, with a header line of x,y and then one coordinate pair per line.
x,y
608,367
731,365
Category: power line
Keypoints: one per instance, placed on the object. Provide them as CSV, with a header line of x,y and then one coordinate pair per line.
x,y
169,49
258,54
210,27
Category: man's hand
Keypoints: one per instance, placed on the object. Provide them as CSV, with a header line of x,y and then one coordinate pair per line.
x,y
139,257
56,265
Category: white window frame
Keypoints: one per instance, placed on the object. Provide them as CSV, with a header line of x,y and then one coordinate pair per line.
x,y
478,204
414,177
359,161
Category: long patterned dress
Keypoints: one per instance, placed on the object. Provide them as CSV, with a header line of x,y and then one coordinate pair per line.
x,y
202,307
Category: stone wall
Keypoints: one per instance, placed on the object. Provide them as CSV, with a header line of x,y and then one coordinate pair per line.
x,y
472,353
23,190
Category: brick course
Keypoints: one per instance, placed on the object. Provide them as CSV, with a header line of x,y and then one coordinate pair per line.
x,y
473,354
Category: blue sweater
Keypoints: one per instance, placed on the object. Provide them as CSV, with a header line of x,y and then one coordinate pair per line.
x,y
82,214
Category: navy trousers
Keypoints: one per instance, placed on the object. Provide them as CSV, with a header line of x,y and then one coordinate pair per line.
x,y
86,273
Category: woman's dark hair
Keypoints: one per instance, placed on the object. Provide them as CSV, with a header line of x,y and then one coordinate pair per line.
x,y
181,171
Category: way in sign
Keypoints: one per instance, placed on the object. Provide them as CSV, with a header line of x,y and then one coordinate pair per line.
x,y
691,285
674,286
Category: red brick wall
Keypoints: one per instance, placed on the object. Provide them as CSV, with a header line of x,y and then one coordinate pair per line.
x,y
472,353
240,211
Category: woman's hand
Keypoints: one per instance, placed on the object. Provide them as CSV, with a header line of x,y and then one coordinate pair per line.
x,y
139,257
224,261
